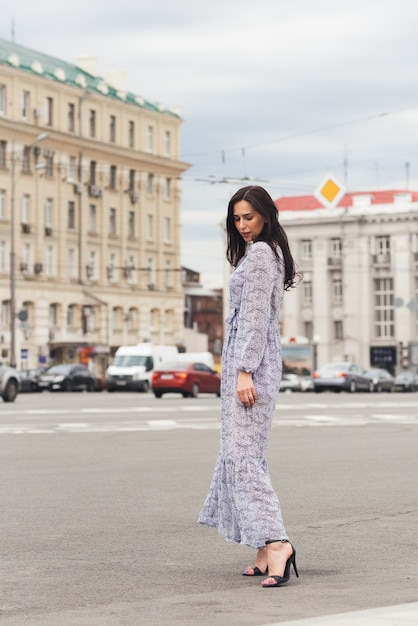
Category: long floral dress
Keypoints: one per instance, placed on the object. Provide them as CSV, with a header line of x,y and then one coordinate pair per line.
x,y
242,503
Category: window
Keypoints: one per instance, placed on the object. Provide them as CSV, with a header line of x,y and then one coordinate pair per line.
x,y
91,265
167,188
92,173
71,315
167,274
71,214
2,256
382,245
308,330
92,218
49,163
338,330
49,261
25,208
149,231
150,184
71,117
167,229
384,309
167,143
3,151
49,111
26,255
306,249
131,269
150,272
336,248
131,180
26,160
71,263
337,291
92,123
117,318
111,268
26,105
382,248
307,292
131,224
150,139
72,168
131,134
3,99
112,222
5,312
112,177
53,315
112,129
2,204
48,212
132,319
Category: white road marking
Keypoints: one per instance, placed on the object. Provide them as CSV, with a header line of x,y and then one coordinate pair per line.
x,y
192,416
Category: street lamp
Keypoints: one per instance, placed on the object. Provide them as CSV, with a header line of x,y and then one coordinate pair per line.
x,y
40,137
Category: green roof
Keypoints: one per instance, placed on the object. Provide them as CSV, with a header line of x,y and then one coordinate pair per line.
x,y
27,60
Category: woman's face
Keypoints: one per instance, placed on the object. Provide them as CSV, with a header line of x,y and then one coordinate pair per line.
x,y
248,222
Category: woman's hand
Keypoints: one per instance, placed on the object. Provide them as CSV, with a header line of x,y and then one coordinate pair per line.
x,y
245,389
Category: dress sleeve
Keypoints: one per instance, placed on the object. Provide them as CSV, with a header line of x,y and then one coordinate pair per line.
x,y
255,307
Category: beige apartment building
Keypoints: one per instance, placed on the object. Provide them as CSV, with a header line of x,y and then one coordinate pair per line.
x,y
358,298
89,213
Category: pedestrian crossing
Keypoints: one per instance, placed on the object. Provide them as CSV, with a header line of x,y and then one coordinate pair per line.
x,y
199,417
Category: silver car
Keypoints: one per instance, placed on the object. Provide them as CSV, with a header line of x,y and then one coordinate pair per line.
x,y
9,383
341,377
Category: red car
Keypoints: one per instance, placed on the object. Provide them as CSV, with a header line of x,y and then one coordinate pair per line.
x,y
186,378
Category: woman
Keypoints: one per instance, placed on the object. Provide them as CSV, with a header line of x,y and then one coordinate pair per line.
x,y
241,502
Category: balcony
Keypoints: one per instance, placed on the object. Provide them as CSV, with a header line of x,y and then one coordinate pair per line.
x,y
381,259
94,191
334,261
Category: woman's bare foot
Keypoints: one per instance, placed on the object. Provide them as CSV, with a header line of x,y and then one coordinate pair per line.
x,y
278,553
260,563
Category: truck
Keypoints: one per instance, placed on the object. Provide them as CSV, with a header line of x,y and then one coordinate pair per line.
x,y
132,366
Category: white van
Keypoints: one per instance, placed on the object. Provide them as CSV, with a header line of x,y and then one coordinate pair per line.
x,y
197,357
132,366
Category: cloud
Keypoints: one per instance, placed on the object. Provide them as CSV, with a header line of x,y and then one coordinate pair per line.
x,y
300,85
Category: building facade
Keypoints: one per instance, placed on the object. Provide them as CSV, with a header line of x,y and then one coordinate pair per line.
x,y
358,297
89,213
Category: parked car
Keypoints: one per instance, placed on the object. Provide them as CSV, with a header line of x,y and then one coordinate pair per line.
x,y
290,382
186,378
343,376
382,380
67,377
408,381
28,380
9,383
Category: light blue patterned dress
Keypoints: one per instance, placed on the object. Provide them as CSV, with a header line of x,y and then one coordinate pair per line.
x,y
242,503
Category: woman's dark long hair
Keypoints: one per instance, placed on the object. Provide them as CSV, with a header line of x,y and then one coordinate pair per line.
x,y
272,232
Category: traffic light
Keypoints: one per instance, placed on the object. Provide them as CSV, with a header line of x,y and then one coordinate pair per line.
x,y
404,354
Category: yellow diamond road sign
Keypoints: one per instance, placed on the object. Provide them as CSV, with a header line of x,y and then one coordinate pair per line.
x,y
330,191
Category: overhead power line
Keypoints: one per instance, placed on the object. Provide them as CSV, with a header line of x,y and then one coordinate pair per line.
x,y
296,135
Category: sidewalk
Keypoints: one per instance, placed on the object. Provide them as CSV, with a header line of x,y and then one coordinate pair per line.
x,y
400,615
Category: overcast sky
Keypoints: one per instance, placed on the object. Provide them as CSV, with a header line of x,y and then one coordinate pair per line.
x,y
286,89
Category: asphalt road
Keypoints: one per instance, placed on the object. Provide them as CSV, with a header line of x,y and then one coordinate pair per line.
x,y
100,493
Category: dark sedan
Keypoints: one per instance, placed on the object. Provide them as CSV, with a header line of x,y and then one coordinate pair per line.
x,y
382,380
189,379
67,377
343,376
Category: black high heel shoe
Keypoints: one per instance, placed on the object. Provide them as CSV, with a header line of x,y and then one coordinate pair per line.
x,y
281,580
